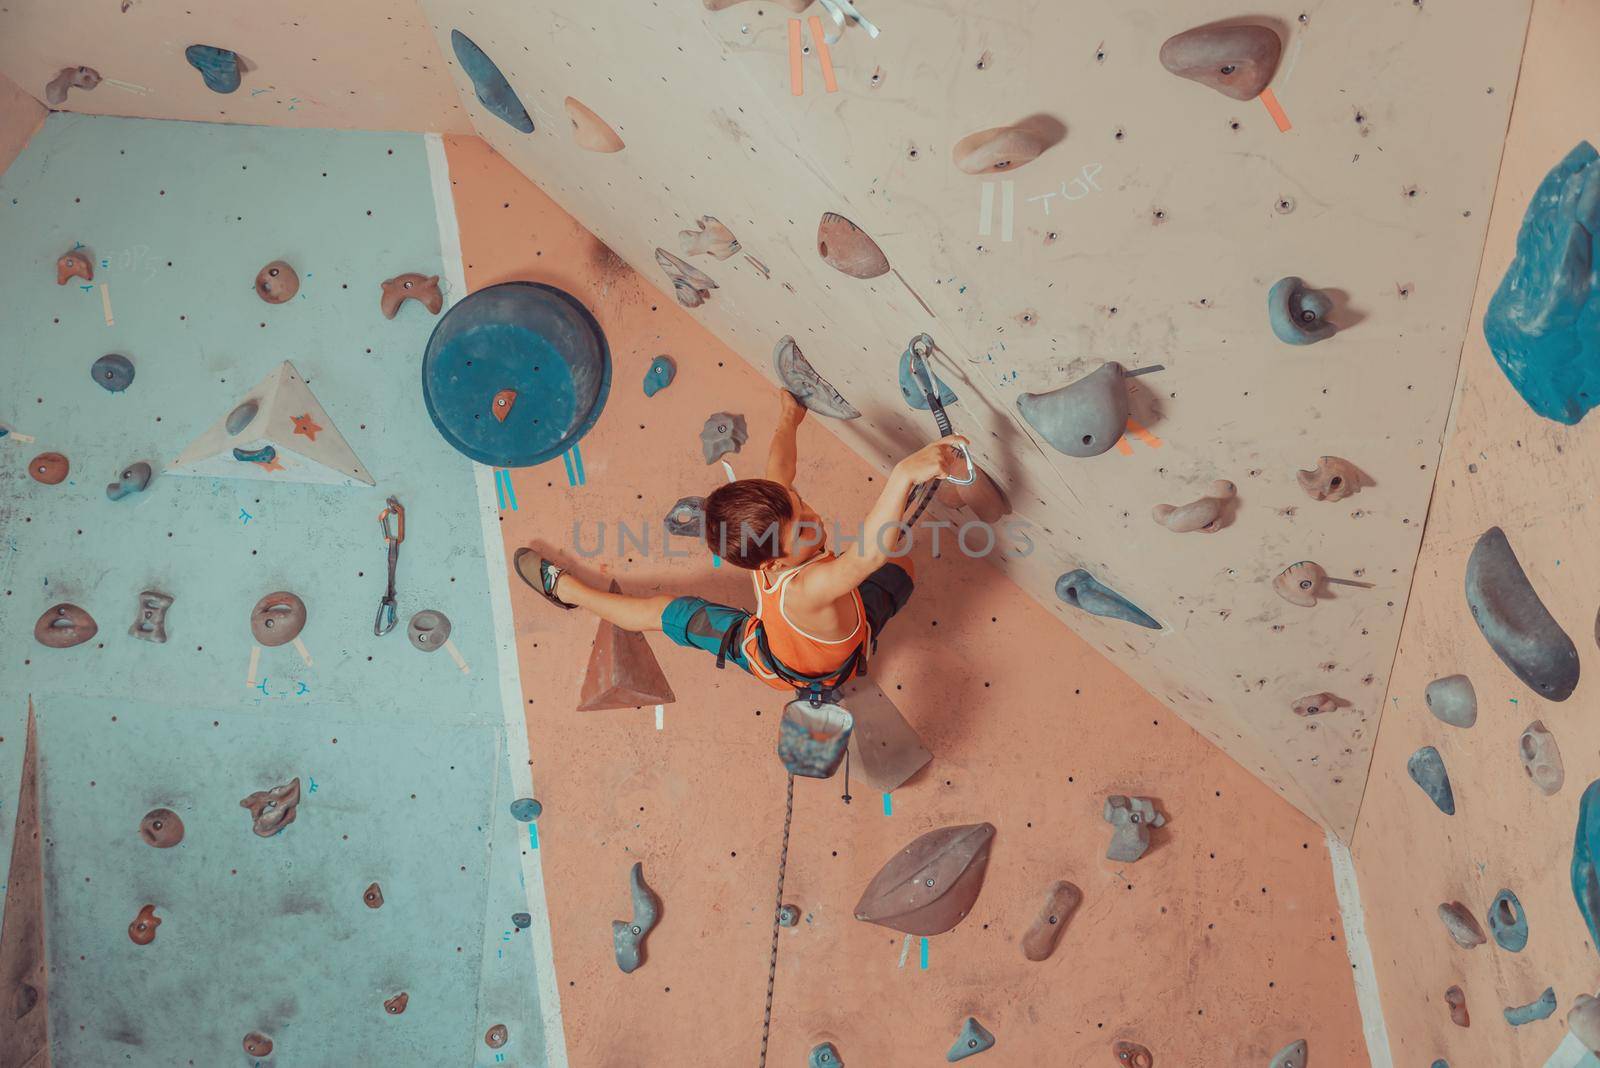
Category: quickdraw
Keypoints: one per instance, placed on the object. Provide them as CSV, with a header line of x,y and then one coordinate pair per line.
x,y
921,348
386,618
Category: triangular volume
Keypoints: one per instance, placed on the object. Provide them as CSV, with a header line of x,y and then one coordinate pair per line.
x,y
623,672
887,749
281,433
24,990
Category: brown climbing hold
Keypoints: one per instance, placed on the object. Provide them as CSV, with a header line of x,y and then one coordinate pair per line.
x,y
74,264
496,1036
1457,1000
1236,61
278,618
1131,1054
143,928
257,1044
1541,758
1333,479
64,625
55,92
930,885
273,809
277,282
590,131
689,284
161,828
1299,583
1061,900
503,402
1317,703
710,239
1003,148
845,247
1463,926
422,288
372,896
49,468
397,1004
1207,515
623,672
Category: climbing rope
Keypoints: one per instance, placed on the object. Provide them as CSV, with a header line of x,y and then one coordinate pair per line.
x,y
777,913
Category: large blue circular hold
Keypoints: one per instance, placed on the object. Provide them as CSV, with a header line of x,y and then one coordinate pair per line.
x,y
532,339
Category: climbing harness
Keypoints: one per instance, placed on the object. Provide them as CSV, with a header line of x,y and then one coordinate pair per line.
x,y
386,617
920,349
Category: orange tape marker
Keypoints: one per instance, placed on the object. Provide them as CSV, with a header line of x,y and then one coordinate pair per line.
x,y
1144,435
823,57
797,70
1275,109
1123,447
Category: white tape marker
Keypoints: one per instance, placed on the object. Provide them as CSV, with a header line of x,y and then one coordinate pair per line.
x,y
986,210
661,717
726,466
305,654
1008,209
105,302
255,662
455,654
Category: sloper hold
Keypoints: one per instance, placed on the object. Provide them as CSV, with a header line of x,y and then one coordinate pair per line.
x,y
623,672
112,372
494,92
1426,768
1462,925
1061,900
62,626
1515,622
659,375
911,390
1083,418
1082,590
277,618
1132,1055
1541,322
628,937
1236,61
1453,700
1299,582
1299,314
1541,758
1003,148
1541,1008
24,967
808,387
1293,1055
219,67
1456,999
930,885
973,1040
277,282
590,131
1333,479
1508,922
1585,851
690,285
55,91
1206,515
887,750
49,468
723,433
1131,819
133,479
823,1054
1583,1020
687,518
709,238
1316,704
846,248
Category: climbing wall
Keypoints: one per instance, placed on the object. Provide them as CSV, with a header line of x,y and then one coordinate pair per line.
x,y
1506,467
1149,233
20,118
1218,947
402,758
357,64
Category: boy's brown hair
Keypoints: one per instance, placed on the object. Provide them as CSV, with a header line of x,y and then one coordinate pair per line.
x,y
744,521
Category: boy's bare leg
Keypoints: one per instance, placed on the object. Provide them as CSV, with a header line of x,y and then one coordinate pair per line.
x,y
629,613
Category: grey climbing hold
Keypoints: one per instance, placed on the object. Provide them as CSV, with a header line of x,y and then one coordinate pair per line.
x,y
1440,1063
687,518
1508,923
133,479
824,1055
690,285
1083,418
1585,848
1462,925
659,376
1131,819
1292,1056
264,455
112,372
912,391
808,387
521,920
1082,590
429,630
526,809
1235,60
1583,1020
218,66
1298,313
788,916
723,433
151,623
973,1040
1426,768
1541,758
628,938
1515,622
241,417
1453,700
1541,320
493,91
1539,1009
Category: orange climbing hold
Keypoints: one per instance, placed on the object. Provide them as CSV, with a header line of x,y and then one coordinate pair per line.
x,y
502,403
623,672
589,130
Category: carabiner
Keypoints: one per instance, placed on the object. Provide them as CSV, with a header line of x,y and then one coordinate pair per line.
x,y
386,617
972,471
393,508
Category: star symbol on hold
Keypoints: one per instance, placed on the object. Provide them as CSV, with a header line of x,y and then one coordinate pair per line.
x,y
303,424
269,465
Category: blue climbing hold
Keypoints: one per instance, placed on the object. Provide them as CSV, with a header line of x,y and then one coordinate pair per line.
x,y
264,455
494,92
112,372
660,375
1543,323
526,809
1441,1063
218,66
1299,314
824,1055
1540,1009
1508,923
1082,590
521,921
1585,850
524,336
913,391
973,1040
1426,768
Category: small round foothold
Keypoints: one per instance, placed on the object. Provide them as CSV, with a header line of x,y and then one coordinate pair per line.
x,y
49,468
788,916
521,920
161,828
397,1004
372,896
257,1044
277,282
112,372
526,809
496,1036
142,931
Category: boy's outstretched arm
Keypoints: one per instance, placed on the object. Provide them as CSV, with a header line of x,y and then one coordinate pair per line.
x,y
781,454
880,540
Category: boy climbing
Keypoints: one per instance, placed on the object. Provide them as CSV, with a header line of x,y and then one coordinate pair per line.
x,y
818,613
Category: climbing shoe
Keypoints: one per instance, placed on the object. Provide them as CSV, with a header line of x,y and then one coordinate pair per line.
x,y
541,574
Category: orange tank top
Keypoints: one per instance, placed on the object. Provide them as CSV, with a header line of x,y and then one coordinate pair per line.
x,y
800,652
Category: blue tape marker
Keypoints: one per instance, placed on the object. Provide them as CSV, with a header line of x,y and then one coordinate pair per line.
x,y
888,805
716,561
499,489
924,954
511,491
566,460
533,835
577,460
